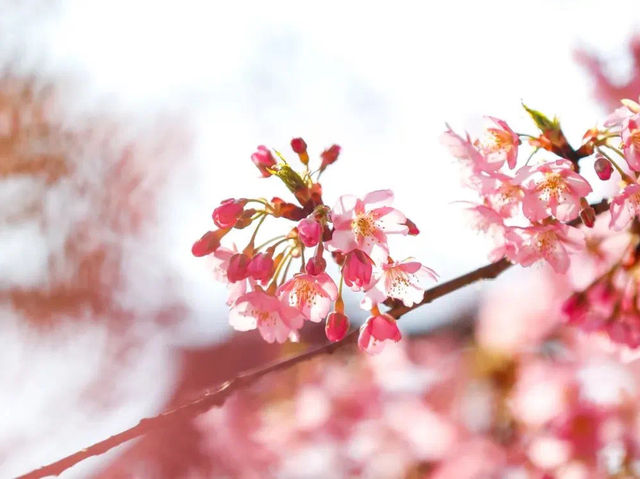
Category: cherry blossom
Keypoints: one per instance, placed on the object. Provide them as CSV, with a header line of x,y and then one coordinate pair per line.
x,y
552,188
227,214
405,281
499,145
274,319
551,242
376,331
625,206
631,142
310,295
364,224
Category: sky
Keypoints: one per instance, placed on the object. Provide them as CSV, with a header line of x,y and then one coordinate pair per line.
x,y
381,80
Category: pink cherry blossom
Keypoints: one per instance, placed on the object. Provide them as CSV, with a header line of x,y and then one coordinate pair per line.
x,y
468,153
552,188
357,270
309,232
404,281
551,242
337,326
625,206
226,215
274,320
630,135
263,159
500,144
364,224
376,331
500,192
311,295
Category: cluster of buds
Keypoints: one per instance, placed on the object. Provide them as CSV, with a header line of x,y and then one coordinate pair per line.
x,y
279,284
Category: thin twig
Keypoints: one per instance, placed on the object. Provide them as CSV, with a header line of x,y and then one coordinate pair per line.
x,y
217,396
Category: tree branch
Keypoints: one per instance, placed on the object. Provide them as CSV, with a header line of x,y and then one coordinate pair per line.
x,y
217,396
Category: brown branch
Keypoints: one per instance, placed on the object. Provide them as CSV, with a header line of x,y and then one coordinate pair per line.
x,y
217,396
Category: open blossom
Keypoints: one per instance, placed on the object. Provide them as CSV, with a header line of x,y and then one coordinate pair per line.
x,y
405,281
376,331
311,295
625,206
630,135
552,188
468,153
500,144
551,242
274,320
364,224
500,192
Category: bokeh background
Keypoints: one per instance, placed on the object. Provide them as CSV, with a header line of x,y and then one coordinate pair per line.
x,y
124,123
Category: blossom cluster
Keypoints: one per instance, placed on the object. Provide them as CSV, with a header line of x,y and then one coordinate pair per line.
x,y
353,234
537,209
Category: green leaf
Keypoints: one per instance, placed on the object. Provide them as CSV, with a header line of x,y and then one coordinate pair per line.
x,y
541,120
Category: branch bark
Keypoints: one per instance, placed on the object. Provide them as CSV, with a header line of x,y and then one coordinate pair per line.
x,y
217,396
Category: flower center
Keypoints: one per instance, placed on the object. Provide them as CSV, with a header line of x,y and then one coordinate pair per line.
x,y
635,138
363,225
304,293
552,186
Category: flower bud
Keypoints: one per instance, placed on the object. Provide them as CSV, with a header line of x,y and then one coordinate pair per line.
x,y
226,215
260,267
300,147
588,216
357,270
263,159
309,232
329,156
316,265
336,326
237,270
209,243
603,168
413,229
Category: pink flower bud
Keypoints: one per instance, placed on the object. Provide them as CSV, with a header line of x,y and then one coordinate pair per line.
x,y
357,270
329,156
413,229
588,216
237,270
260,267
336,326
575,307
309,232
226,215
208,244
298,145
603,168
316,265
263,159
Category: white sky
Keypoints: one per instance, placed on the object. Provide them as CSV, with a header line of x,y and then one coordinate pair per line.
x,y
380,81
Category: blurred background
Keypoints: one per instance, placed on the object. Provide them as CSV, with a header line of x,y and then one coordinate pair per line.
x,y
124,123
